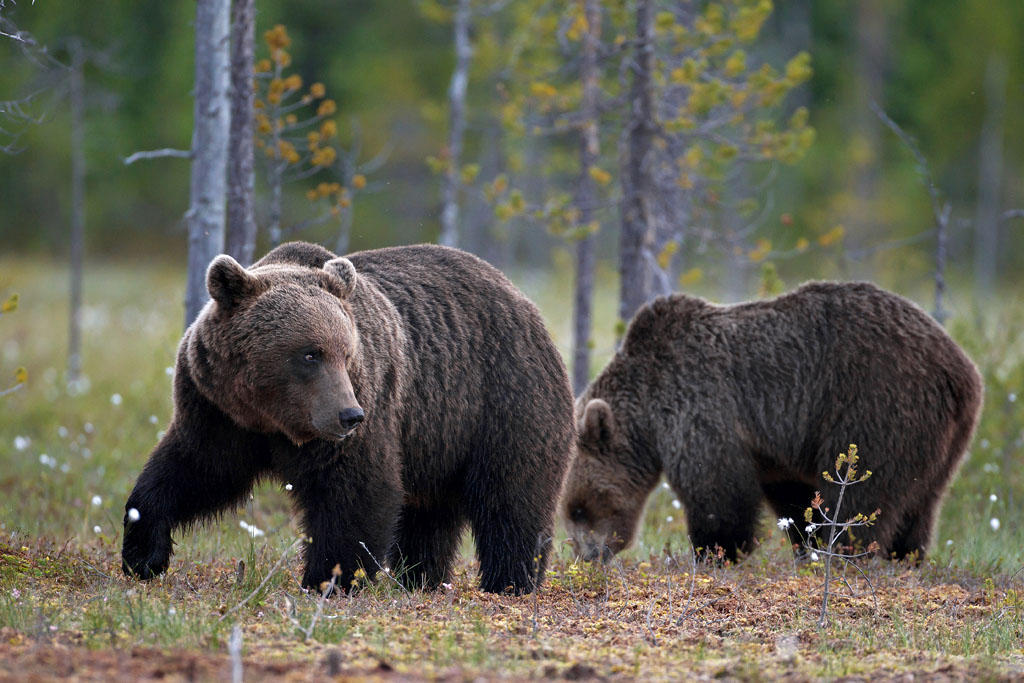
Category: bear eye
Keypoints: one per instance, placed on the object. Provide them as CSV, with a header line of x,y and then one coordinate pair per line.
x,y
311,356
578,514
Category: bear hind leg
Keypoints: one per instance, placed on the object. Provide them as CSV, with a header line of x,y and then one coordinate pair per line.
x,y
512,547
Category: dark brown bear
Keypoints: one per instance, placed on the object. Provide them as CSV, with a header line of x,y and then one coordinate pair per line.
x,y
403,392
738,404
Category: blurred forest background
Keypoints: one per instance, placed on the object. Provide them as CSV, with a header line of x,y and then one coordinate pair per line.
x,y
951,73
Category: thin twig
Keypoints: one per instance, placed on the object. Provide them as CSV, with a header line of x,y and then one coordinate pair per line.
x,y
308,633
387,572
273,570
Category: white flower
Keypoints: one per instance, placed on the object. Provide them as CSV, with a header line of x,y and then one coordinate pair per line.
x,y
65,468
993,497
288,487
97,530
994,523
669,518
814,556
22,442
45,459
784,522
133,515
153,419
949,542
116,399
676,504
665,485
168,371
172,611
253,530
97,501
447,586
811,528
984,443
62,432
87,427
1012,398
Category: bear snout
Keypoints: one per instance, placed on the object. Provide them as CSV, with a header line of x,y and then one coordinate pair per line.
x,y
590,547
350,417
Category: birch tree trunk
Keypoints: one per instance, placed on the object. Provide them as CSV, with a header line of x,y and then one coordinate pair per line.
x,y
210,132
76,95
456,125
990,177
586,197
635,237
241,217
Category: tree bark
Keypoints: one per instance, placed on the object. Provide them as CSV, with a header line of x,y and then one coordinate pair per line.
x,y
990,177
635,236
241,216
456,125
76,96
586,197
210,132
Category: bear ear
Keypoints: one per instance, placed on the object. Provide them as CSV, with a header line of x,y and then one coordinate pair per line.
x,y
598,423
228,282
342,269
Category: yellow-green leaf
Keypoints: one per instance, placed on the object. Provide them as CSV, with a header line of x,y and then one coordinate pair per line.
x,y
691,277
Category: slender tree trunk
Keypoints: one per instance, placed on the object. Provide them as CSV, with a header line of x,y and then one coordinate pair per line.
x,y
241,220
586,196
869,61
344,230
635,237
456,125
274,173
941,235
990,177
77,99
210,132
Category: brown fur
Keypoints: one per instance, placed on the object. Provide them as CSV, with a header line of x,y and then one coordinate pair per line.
x,y
467,407
738,404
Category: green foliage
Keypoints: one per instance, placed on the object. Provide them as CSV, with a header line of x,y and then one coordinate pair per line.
x,y
298,137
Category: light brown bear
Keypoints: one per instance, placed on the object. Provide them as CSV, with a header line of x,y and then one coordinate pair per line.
x,y
750,402
403,393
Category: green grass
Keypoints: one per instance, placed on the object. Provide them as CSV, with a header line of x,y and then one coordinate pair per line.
x,y
60,577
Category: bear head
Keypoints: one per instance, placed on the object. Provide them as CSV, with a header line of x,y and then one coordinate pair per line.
x,y
277,348
604,496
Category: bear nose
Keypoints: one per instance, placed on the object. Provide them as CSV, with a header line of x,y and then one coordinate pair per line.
x,y
350,417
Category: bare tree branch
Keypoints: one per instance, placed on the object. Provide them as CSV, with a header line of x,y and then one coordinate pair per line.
x,y
941,211
157,154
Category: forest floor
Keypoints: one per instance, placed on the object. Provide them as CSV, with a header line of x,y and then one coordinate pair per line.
x,y
68,459
70,614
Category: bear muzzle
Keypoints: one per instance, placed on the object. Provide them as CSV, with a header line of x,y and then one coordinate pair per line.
x,y
591,548
349,418
337,424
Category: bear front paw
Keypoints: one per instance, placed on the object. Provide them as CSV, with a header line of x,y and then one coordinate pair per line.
x,y
146,551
